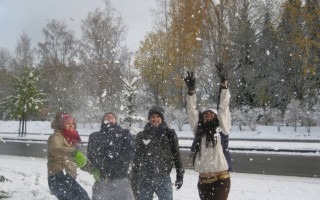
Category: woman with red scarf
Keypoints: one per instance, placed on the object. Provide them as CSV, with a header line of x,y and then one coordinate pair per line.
x,y
63,159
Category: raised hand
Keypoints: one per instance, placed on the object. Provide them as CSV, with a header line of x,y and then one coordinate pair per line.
x,y
222,72
190,81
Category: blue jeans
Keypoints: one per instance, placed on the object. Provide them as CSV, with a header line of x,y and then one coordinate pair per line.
x,y
65,187
146,186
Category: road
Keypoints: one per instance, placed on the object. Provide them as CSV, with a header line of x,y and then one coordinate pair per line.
x,y
270,163
291,164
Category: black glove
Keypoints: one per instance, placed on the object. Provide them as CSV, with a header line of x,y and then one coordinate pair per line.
x,y
179,179
222,72
190,81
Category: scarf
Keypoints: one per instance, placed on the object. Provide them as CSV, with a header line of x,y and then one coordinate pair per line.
x,y
110,128
72,137
156,130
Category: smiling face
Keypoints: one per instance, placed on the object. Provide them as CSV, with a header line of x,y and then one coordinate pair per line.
x,y
208,116
155,120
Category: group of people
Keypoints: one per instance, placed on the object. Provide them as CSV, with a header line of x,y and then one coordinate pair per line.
x,y
128,168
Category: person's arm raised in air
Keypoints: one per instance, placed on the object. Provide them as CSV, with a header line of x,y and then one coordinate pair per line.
x,y
192,112
224,115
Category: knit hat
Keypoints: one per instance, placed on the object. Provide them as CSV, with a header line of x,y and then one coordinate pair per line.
x,y
211,110
156,110
66,117
60,118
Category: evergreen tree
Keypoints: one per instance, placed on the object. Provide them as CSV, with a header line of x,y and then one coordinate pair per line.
x,y
291,37
268,67
311,57
26,100
244,44
129,97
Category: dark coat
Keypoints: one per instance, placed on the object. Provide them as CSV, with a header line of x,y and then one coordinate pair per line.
x,y
156,151
111,150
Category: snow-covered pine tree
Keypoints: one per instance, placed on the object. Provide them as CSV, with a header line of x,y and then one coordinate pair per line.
x,y
25,100
129,99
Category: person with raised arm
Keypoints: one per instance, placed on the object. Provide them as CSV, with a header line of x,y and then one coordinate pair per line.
x,y
211,157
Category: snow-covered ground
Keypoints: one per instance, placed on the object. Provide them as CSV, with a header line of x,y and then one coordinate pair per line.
x,y
29,181
41,130
29,175
261,132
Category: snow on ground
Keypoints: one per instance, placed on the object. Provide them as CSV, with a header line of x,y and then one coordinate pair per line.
x,y
29,181
262,132
29,175
42,130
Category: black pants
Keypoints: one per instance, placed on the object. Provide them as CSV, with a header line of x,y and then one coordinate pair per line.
x,y
64,187
218,190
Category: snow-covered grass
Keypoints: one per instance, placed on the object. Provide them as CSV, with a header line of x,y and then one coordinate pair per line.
x,y
29,181
29,175
262,132
42,130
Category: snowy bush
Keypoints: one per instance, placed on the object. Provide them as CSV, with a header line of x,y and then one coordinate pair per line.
x,y
180,118
238,118
310,116
246,116
293,113
174,116
168,114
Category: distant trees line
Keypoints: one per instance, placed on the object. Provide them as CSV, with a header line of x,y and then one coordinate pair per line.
x,y
271,48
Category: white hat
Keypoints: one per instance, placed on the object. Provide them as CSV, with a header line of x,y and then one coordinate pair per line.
x,y
211,110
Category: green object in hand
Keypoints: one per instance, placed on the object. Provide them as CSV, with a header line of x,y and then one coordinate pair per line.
x,y
79,158
96,174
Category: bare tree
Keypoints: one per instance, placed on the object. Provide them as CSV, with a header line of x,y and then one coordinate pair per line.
x,y
5,63
102,34
57,63
215,38
5,59
24,54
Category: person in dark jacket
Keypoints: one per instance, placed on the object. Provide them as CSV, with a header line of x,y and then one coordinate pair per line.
x,y
210,145
157,149
110,152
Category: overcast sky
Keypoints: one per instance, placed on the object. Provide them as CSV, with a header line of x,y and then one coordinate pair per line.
x,y
31,16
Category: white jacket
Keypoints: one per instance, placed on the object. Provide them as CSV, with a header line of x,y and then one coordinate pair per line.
x,y
211,159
